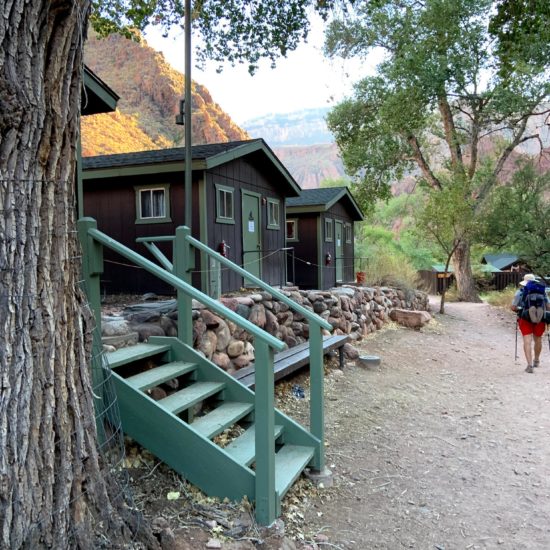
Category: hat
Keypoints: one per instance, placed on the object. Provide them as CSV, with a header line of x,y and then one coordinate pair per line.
x,y
526,278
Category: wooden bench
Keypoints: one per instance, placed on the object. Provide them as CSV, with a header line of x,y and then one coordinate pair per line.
x,y
290,360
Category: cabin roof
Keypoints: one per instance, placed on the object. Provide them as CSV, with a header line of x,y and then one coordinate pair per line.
x,y
322,199
204,157
500,261
97,97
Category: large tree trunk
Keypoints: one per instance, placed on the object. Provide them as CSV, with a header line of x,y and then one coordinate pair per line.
x,y
463,274
54,488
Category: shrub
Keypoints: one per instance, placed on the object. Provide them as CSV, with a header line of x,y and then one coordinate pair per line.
x,y
502,298
385,269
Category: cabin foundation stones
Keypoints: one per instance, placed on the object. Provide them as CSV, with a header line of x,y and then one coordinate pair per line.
x,y
356,311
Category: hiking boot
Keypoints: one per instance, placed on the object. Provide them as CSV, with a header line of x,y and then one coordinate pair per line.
x,y
529,368
536,363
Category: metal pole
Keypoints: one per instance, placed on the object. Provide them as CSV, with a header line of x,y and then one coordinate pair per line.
x,y
188,139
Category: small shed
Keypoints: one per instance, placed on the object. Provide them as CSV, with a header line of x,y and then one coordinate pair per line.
x,y
238,192
504,261
320,230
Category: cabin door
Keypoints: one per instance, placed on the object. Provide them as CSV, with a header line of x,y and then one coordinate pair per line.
x,y
338,251
251,233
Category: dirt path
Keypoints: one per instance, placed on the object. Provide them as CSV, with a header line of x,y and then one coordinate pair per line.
x,y
444,446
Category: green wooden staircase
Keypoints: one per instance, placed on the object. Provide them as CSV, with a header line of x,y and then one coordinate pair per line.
x,y
269,450
180,435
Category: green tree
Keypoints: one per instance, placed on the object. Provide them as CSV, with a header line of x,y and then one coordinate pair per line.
x,y
517,218
448,220
334,182
522,30
55,490
435,100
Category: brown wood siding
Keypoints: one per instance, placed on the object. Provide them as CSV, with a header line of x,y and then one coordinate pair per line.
x,y
244,174
113,204
305,251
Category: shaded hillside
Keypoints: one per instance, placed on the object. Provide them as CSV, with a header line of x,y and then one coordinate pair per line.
x,y
312,164
150,91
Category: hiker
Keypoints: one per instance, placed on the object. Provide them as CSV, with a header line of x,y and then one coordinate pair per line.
x,y
531,302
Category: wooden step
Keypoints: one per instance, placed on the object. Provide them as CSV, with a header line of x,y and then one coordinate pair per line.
x,y
243,448
154,377
221,417
123,356
290,462
186,398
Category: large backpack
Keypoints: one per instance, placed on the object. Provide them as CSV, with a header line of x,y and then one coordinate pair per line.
x,y
533,302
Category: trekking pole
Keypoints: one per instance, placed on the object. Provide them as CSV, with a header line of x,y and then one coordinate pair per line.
x,y
516,351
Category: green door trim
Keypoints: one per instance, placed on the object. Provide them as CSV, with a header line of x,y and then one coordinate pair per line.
x,y
244,225
338,250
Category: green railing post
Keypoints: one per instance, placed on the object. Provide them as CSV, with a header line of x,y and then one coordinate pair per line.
x,y
266,499
92,268
182,262
317,394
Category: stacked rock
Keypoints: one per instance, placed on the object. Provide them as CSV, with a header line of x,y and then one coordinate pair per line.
x,y
352,310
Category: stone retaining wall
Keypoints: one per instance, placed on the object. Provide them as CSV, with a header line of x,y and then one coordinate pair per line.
x,y
352,310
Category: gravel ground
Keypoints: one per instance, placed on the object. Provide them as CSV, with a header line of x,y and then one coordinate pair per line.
x,y
443,446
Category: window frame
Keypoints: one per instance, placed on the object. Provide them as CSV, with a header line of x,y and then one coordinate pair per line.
x,y
348,232
139,189
271,224
224,189
329,223
295,237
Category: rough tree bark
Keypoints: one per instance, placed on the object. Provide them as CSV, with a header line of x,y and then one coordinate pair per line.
x,y
465,283
53,492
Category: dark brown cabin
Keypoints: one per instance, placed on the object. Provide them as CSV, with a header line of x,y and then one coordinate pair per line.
x,y
320,228
238,192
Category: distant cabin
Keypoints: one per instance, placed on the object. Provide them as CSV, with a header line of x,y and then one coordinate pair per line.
x,y
239,192
320,229
504,261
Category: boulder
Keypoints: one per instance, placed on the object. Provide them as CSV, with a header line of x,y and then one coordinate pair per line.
x,y
257,315
235,348
222,360
121,341
114,326
169,326
211,321
271,323
224,336
410,319
146,330
199,328
207,343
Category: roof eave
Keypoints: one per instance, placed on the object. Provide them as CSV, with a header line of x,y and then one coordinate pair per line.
x,y
251,147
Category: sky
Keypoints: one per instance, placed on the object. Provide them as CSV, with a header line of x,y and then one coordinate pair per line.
x,y
305,79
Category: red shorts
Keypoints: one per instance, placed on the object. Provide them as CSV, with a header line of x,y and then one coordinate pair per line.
x,y
526,327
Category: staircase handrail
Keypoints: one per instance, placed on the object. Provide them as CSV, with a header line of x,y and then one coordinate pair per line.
x,y
176,282
309,315
316,403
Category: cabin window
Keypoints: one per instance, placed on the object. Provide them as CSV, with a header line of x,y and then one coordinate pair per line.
x,y
329,230
152,204
291,230
349,235
273,213
225,212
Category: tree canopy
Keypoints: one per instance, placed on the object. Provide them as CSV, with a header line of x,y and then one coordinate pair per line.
x,y
239,31
516,218
439,98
